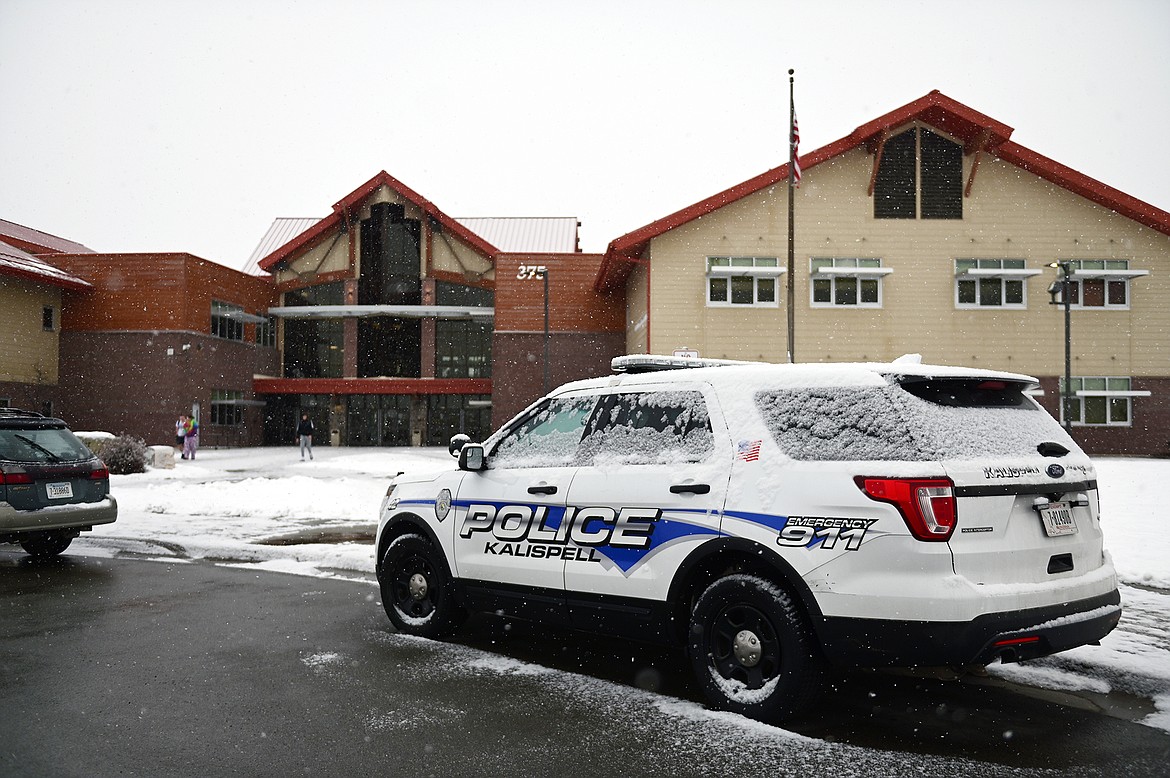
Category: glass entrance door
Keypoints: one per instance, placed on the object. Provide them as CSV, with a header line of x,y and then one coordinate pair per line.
x,y
378,420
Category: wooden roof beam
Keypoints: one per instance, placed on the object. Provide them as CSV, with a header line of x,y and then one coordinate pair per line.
x,y
978,146
877,161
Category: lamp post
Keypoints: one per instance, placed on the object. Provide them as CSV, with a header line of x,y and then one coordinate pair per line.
x,y
542,272
1063,288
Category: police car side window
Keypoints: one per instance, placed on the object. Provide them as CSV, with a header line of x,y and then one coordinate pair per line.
x,y
549,437
641,428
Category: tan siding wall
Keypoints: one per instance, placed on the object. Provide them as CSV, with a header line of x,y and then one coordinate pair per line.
x,y
636,316
28,354
1011,214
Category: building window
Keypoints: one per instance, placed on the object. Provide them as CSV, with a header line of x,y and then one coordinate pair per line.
x,y
839,281
1101,401
266,332
1101,283
390,257
225,322
992,283
920,176
313,348
735,281
48,319
463,349
448,414
227,407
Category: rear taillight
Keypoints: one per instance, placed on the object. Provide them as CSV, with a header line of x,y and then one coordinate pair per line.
x,y
101,474
15,478
927,505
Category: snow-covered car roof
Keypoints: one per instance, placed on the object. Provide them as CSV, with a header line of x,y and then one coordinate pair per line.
x,y
677,369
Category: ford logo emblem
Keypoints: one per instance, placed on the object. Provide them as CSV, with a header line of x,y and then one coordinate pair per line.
x,y
1055,471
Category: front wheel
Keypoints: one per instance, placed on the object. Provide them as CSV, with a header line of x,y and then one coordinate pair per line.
x,y
417,591
752,650
46,544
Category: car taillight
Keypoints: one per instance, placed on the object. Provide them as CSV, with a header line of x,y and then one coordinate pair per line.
x,y
927,505
101,474
15,478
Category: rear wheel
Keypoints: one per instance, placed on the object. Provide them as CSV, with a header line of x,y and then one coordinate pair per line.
x,y
46,544
417,591
752,650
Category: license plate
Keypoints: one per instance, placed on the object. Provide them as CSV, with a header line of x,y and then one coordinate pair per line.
x,y
59,491
1058,519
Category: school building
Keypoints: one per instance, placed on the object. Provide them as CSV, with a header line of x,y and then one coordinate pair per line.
x,y
926,230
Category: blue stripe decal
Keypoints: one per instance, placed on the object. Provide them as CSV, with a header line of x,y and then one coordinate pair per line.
x,y
665,531
771,521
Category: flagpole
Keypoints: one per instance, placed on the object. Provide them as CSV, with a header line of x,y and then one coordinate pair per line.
x,y
791,226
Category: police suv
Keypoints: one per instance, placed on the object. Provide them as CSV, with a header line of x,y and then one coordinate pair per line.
x,y
774,520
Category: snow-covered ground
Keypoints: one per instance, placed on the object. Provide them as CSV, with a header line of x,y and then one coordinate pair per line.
x,y
266,508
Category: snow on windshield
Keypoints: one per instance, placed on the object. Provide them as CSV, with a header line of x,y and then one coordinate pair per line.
x,y
658,427
650,428
547,438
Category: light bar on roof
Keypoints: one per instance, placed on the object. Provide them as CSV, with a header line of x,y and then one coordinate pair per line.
x,y
648,363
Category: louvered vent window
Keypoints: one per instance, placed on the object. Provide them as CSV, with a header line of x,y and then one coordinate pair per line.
x,y
942,177
894,191
920,176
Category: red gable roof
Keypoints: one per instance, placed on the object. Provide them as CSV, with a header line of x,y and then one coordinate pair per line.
x,y
974,129
37,242
353,201
16,262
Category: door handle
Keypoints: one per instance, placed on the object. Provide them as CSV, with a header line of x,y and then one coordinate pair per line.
x,y
690,489
542,490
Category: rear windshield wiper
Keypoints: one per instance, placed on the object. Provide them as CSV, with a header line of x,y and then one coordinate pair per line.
x,y
33,444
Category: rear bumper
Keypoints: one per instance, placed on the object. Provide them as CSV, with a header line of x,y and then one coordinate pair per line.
x,y
1010,636
81,515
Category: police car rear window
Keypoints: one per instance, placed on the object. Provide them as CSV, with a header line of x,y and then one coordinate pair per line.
x,y
968,392
896,423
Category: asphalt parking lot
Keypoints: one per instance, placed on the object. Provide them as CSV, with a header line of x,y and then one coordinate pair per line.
x,y
112,666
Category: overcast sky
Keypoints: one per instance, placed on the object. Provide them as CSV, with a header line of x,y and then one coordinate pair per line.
x,y
189,126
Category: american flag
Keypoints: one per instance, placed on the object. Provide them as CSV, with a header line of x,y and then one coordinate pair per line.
x,y
749,450
795,150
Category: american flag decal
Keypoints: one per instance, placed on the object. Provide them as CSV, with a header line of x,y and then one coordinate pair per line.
x,y
749,450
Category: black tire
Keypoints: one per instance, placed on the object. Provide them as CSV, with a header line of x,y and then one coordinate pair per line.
x,y
417,591
43,545
752,649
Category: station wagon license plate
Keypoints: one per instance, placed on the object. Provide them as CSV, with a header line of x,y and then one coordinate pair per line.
x,y
1058,519
59,491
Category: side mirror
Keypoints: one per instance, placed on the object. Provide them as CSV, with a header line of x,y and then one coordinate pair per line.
x,y
471,457
457,443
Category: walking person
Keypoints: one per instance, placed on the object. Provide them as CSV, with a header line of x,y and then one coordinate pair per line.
x,y
180,433
190,437
305,435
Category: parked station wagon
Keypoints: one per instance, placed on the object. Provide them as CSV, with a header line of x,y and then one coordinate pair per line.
x,y
52,487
